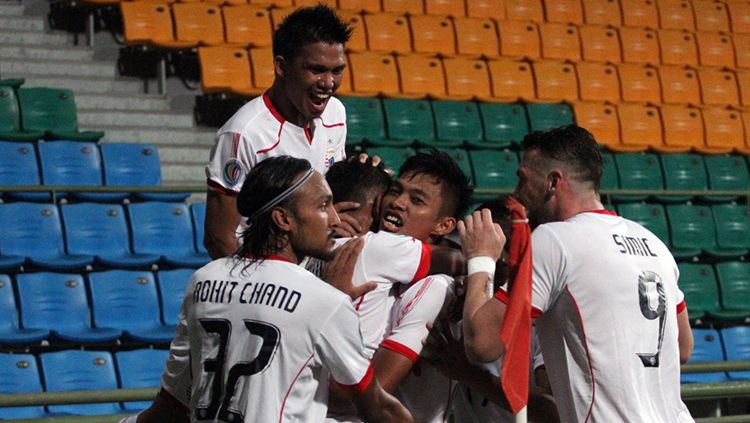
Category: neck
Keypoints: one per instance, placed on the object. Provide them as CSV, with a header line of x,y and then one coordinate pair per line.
x,y
288,253
579,203
285,107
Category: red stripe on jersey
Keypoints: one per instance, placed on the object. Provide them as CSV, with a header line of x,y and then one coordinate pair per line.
x,y
410,305
308,135
269,106
588,356
174,402
278,140
333,125
236,144
681,307
361,300
504,298
283,404
424,264
400,349
217,187
603,211
363,384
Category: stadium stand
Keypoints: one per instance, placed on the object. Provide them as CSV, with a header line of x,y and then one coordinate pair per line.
x,y
20,374
434,34
736,343
407,121
19,166
698,283
140,368
52,111
172,285
10,332
707,348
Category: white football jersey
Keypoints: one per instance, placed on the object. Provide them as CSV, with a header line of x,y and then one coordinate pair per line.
x,y
605,290
264,341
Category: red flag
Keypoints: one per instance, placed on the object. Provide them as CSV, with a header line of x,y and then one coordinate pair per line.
x,y
515,332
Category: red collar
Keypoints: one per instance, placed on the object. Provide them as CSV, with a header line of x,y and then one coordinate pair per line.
x,y
602,211
271,108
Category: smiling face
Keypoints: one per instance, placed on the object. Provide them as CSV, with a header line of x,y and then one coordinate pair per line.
x,y
314,219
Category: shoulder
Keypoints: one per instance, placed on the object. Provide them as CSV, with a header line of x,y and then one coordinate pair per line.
x,y
249,115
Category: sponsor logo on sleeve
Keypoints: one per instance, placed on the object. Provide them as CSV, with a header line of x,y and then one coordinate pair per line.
x,y
233,172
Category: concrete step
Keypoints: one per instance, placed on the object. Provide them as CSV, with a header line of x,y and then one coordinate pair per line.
x,y
187,155
135,102
38,39
24,52
180,174
81,85
22,23
60,68
158,136
11,8
160,120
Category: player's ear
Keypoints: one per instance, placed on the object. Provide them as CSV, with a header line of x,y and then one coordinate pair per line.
x,y
278,66
445,226
283,218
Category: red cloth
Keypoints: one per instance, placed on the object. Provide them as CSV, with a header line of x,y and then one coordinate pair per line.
x,y
515,332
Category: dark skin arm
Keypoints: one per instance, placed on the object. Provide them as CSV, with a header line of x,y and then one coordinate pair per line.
x,y
376,405
164,409
221,223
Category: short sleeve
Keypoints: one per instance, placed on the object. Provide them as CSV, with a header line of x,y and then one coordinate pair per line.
x,y
340,348
396,258
548,257
228,163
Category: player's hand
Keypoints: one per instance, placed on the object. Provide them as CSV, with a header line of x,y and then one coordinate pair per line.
x,y
480,236
443,351
348,226
338,272
375,159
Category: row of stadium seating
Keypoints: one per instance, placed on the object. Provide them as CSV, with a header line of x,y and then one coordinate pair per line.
x,y
712,345
82,163
72,370
95,234
123,305
719,293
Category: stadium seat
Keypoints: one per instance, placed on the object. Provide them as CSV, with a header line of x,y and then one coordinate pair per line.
x,y
640,13
555,81
57,302
698,283
20,375
679,85
198,214
373,73
724,131
247,25
547,116
732,229
683,172
486,9
358,40
33,233
261,61
461,157
101,230
598,81
519,39
135,165
456,122
524,10
140,369
403,6
512,80
453,8
504,124
715,49
737,346
393,157
743,81
727,172
467,79
172,285
388,33
370,6
226,69
683,128
602,12
609,173
10,118
494,170
409,121
601,120
74,163
476,37
639,83
710,15
692,229
742,50
52,111
678,47
676,14
18,166
707,348
638,171
718,87
420,76
127,300
364,119
600,44
73,370
433,34
12,82
639,45
560,41
739,16
734,284
195,24
563,11
148,23
650,216
10,332
640,126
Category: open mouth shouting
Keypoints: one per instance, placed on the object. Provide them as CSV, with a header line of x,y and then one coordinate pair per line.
x,y
318,102
391,223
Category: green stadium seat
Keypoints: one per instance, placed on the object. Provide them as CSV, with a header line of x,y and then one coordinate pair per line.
x,y
650,216
638,171
456,122
364,119
408,121
726,173
493,169
543,116
461,156
734,283
392,157
13,83
504,124
10,118
692,229
52,111
609,175
683,172
732,230
698,283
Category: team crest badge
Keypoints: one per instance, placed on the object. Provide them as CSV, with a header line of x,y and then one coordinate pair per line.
x,y
328,158
233,171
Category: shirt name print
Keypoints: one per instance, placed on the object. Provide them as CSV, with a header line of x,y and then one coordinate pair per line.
x,y
267,294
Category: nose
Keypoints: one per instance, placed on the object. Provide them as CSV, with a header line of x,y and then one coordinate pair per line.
x,y
399,202
333,217
327,81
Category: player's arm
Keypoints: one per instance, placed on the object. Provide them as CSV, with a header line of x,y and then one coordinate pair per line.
x,y
684,335
374,404
447,260
164,409
391,368
221,223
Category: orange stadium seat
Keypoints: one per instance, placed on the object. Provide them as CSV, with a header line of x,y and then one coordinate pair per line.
x,y
742,50
388,32
278,14
746,120
403,6
486,9
226,69
358,40
476,37
300,3
560,41
512,80
248,25
369,6
519,39
445,7
676,14
147,23
261,60
711,15
467,79
677,47
639,45
724,131
602,12
421,76
598,81
601,120
433,34
718,87
555,81
743,83
683,128
639,13
739,16
275,3
639,83
524,10
679,85
564,11
715,49
640,126
600,44
373,73
197,23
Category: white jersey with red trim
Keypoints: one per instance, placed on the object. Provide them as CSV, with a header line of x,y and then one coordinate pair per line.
x,y
264,341
607,292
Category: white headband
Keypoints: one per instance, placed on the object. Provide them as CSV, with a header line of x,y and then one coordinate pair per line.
x,y
281,197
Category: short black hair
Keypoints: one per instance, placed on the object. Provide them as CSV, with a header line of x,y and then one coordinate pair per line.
x,y
351,180
309,25
572,145
441,166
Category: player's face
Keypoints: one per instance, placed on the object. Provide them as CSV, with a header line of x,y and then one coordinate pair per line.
x,y
311,78
314,220
531,189
412,205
